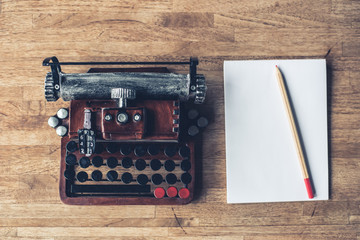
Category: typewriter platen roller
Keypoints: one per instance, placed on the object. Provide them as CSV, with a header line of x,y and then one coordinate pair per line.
x,y
128,136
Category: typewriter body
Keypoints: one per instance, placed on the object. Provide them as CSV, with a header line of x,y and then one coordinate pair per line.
x,y
128,136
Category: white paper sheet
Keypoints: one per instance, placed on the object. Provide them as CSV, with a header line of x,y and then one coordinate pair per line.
x,y
261,161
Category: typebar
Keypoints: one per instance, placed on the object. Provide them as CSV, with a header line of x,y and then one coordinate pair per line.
x,y
110,189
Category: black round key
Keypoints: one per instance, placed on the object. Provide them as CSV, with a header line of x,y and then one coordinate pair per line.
x,y
185,165
99,148
193,130
171,178
184,151
112,175
70,159
186,178
69,174
140,150
82,176
153,149
84,162
202,122
96,175
97,161
126,162
126,177
142,179
140,164
192,114
71,146
170,150
169,165
125,149
155,164
111,162
157,179
112,148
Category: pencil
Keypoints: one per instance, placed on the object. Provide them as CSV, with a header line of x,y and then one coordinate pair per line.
x,y
295,134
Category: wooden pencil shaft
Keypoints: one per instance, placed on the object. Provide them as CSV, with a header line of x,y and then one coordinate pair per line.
x,y
294,130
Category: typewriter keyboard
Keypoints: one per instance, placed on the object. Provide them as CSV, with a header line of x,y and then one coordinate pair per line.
x,y
146,170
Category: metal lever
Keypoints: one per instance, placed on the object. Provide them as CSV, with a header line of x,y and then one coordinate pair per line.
x,y
87,136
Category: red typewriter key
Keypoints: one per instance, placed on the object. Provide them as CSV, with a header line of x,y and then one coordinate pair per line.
x,y
171,192
159,192
184,193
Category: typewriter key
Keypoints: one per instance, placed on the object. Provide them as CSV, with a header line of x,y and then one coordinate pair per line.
x,y
202,122
193,130
112,175
185,165
112,148
159,192
140,150
99,148
71,146
70,159
96,175
186,178
97,161
155,164
69,174
171,192
192,114
126,162
170,150
125,149
142,179
153,149
53,122
140,164
169,165
82,176
126,178
184,193
112,162
62,113
84,162
156,179
184,151
171,178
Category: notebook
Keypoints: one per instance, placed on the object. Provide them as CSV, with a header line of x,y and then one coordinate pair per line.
x,y
261,160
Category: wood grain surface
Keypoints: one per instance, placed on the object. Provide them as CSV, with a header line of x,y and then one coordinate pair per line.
x,y
162,30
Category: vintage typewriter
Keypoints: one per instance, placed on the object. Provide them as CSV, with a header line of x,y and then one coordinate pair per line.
x,y
128,136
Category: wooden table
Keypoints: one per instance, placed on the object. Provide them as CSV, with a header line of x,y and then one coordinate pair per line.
x,y
144,30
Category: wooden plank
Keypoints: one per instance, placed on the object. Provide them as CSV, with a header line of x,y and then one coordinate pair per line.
x,y
344,179
29,137
315,231
82,221
8,232
125,19
48,211
53,6
92,231
215,210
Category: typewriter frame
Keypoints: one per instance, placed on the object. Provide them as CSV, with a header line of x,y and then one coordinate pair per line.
x,y
122,200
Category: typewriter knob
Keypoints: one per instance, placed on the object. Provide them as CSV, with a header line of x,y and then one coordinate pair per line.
x,y
51,89
122,95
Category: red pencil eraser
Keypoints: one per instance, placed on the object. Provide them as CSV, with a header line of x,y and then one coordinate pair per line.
x,y
309,188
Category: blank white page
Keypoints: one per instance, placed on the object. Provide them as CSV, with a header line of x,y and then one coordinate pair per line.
x,y
261,160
